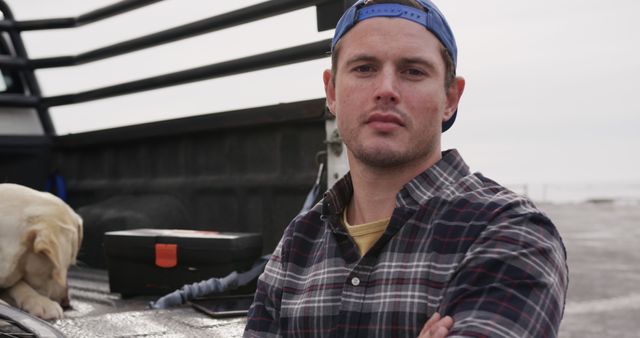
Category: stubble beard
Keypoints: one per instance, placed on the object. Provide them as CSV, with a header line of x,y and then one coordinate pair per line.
x,y
386,159
383,156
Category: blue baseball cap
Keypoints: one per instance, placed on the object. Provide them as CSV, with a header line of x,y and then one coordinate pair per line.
x,y
431,18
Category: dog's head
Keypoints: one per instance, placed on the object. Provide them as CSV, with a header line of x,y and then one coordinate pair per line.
x,y
53,236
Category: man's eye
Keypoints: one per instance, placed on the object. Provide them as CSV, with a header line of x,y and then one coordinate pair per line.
x,y
363,69
414,72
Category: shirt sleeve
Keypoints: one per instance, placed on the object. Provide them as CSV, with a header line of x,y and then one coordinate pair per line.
x,y
264,315
512,281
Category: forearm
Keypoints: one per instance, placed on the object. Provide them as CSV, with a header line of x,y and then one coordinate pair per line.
x,y
512,283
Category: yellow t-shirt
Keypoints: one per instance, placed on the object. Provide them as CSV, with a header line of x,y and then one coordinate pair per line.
x,y
365,235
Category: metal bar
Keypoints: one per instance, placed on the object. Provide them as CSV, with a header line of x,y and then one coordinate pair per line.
x,y
18,100
281,57
93,16
6,23
8,61
222,21
112,10
30,78
25,140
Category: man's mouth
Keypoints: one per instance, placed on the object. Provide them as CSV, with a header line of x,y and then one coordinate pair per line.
x,y
384,122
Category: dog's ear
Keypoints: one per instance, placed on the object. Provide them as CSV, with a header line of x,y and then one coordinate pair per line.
x,y
80,235
46,242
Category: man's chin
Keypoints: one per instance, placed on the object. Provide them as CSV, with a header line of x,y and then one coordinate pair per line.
x,y
386,155
381,158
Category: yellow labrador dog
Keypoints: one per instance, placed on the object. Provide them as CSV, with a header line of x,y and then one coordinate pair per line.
x,y
40,236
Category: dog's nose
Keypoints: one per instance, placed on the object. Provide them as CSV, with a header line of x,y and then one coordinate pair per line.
x,y
65,303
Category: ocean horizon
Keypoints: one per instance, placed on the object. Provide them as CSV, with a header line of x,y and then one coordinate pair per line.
x,y
579,192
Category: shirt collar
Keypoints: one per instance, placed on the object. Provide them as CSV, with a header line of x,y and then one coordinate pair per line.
x,y
438,180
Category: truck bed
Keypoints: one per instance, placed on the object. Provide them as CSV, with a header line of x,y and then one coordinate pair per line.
x,y
98,313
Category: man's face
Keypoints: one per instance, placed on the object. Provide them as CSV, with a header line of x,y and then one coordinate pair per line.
x,y
388,95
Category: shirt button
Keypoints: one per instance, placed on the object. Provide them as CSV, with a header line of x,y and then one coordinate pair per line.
x,y
355,281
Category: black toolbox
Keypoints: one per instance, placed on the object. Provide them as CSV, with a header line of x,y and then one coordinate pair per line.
x,y
159,261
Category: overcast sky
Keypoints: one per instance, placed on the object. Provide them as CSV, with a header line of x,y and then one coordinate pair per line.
x,y
551,90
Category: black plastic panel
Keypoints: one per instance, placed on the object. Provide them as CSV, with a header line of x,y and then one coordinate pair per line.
x,y
24,160
244,171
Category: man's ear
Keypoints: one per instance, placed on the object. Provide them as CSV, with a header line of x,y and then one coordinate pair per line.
x,y
454,93
330,91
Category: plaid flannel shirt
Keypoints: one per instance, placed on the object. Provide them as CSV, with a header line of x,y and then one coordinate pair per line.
x,y
457,243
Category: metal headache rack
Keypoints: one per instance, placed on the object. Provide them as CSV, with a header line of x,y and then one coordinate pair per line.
x,y
327,16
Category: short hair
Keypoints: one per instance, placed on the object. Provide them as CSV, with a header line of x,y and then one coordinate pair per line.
x,y
449,67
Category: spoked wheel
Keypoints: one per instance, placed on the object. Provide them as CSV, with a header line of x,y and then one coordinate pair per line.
x,y
17,324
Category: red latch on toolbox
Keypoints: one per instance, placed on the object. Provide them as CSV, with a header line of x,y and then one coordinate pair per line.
x,y
166,255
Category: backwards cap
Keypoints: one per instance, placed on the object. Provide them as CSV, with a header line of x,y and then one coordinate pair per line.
x,y
431,18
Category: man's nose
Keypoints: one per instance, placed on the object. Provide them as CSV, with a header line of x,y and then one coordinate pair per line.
x,y
386,89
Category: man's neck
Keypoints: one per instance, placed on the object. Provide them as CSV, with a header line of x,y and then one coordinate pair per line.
x,y
375,189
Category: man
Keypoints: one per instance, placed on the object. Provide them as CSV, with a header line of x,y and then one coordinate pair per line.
x,y
410,233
